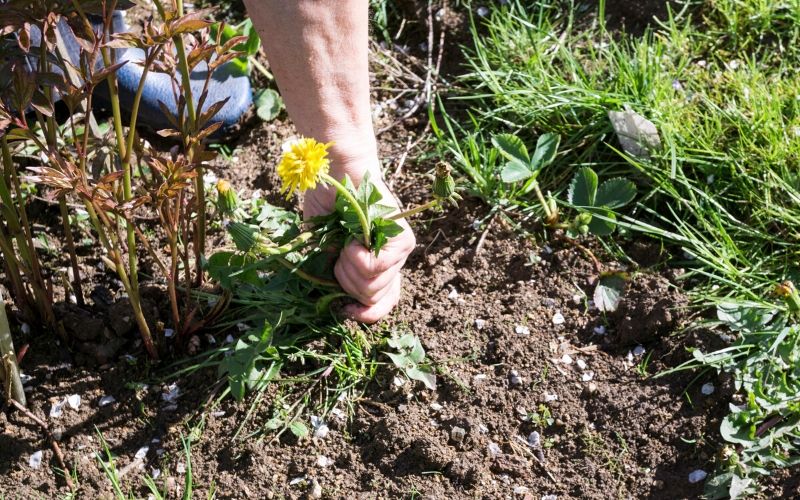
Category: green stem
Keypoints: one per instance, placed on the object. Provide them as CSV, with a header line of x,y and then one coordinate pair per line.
x,y
73,256
116,258
127,175
362,217
261,68
9,370
414,211
309,277
548,213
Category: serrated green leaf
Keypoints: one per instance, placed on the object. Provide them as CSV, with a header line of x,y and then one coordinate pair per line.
x,y
511,147
546,149
268,104
615,193
583,188
515,171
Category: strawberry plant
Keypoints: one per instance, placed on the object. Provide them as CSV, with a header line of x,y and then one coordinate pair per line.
x,y
595,203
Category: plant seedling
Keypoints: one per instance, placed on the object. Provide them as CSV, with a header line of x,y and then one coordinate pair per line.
x,y
596,204
410,358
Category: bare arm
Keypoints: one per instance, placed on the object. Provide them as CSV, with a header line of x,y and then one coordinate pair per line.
x,y
318,52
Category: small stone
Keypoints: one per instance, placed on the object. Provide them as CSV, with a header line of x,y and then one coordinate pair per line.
x,y
457,434
494,449
550,397
482,11
558,318
106,400
514,378
324,461
697,476
566,359
297,480
58,433
480,376
436,407
577,299
316,489
171,394
581,364
320,427
534,440
522,330
520,490
638,350
453,295
169,332
549,497
35,460
587,376
57,409
600,330
707,389
141,453
591,388
480,324
74,401
180,468
398,381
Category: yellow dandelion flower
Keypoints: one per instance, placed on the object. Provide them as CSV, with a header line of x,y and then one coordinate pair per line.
x,y
302,164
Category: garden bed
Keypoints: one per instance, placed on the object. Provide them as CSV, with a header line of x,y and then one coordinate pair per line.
x,y
539,394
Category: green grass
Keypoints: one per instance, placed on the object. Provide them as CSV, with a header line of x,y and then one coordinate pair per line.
x,y
719,81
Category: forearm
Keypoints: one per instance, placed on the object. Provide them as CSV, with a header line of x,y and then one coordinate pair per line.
x,y
318,52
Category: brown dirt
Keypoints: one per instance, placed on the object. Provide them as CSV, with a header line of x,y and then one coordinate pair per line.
x,y
500,379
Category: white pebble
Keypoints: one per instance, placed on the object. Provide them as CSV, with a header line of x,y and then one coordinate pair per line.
x,y
141,453
398,381
638,350
480,376
324,461
577,299
558,318
480,323
155,473
35,461
106,400
25,378
697,476
494,449
549,497
57,409
297,480
566,359
453,295
436,407
581,364
180,468
707,389
74,401
320,427
588,376
550,397
172,394
522,330
520,490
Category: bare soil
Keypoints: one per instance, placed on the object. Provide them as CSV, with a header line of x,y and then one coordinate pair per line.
x,y
518,347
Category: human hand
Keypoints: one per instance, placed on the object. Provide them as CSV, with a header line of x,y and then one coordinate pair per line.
x,y
375,281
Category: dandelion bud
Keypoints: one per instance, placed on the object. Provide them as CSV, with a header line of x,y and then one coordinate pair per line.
x,y
227,199
790,295
443,185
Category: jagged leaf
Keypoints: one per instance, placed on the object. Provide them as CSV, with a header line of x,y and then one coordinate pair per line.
x,y
583,188
615,193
